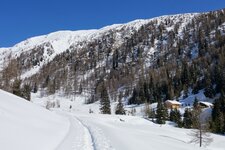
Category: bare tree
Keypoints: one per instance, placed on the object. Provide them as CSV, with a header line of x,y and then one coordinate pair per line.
x,y
148,111
200,134
10,71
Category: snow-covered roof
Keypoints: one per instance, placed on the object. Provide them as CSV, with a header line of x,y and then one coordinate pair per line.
x,y
206,103
173,102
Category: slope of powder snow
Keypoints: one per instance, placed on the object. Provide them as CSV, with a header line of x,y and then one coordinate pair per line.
x,y
25,126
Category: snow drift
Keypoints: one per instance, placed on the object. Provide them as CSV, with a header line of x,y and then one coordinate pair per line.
x,y
27,126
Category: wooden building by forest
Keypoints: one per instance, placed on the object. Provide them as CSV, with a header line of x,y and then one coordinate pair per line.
x,y
172,104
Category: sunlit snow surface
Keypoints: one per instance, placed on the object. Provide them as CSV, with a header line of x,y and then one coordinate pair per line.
x,y
116,132
26,126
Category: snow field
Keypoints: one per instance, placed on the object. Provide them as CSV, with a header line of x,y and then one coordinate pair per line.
x,y
25,126
116,132
78,137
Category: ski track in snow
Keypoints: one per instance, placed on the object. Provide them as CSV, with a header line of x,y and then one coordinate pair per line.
x,y
78,137
100,142
87,131
83,136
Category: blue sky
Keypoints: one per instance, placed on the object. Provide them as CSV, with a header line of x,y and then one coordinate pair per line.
x,y
21,19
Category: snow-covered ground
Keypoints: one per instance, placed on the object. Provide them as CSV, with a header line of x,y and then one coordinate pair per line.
x,y
116,132
132,133
26,126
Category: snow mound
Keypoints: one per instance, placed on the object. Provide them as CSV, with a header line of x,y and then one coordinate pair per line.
x,y
27,126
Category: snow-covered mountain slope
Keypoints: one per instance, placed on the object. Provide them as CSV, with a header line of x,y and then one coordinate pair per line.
x,y
122,54
60,41
25,126
46,47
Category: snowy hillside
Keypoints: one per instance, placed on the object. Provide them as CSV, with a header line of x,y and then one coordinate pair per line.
x,y
58,42
119,54
25,126
119,132
61,41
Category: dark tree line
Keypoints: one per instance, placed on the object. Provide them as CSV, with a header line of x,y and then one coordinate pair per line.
x,y
22,91
218,115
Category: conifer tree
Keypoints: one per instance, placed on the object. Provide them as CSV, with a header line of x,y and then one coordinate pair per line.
x,y
141,96
195,104
179,119
26,92
162,113
105,107
187,119
185,74
209,91
175,116
133,99
172,115
146,92
16,87
218,115
120,109
35,88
